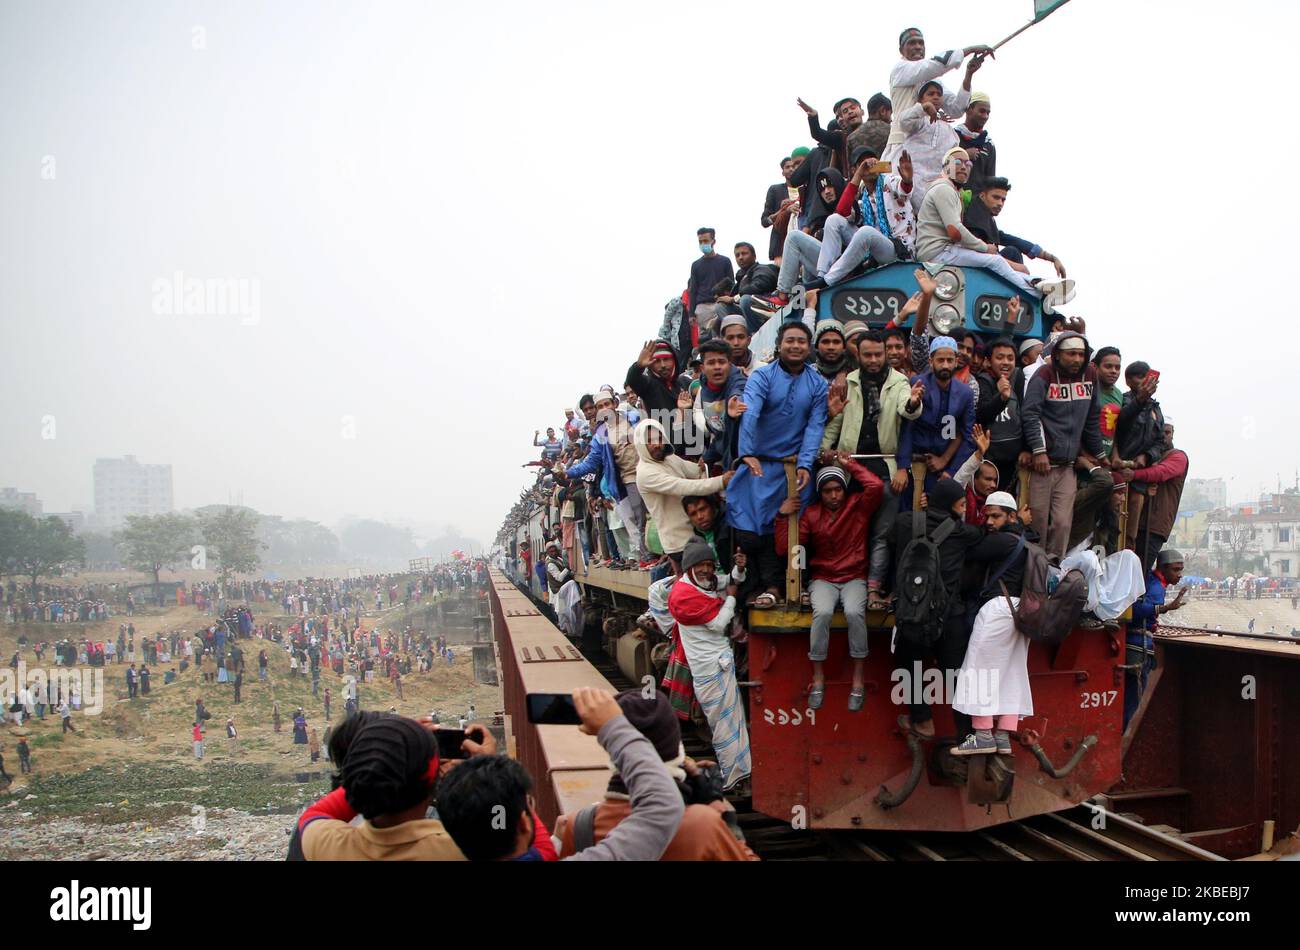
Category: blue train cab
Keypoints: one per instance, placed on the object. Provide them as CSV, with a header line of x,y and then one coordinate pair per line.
x,y
969,297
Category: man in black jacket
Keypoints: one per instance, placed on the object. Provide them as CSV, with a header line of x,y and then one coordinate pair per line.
x,y
781,204
752,279
654,378
1139,435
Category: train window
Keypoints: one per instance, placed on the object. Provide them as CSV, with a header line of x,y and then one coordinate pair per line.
x,y
874,306
991,314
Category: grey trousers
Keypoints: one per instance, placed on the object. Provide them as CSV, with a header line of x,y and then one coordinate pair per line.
x,y
825,595
633,512
1051,502
881,534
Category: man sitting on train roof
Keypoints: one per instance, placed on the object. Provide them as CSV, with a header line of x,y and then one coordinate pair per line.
x,y
943,239
708,271
832,529
704,835
866,416
752,279
941,434
785,415
803,249
880,228
980,218
929,132
973,136
1141,656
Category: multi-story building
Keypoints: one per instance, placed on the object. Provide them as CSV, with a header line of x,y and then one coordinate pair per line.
x,y
1263,538
1204,494
127,487
21,501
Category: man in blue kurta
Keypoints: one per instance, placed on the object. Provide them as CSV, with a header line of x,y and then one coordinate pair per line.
x,y
941,435
784,415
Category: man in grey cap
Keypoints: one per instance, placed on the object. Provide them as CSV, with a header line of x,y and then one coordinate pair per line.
x,y
1146,617
833,358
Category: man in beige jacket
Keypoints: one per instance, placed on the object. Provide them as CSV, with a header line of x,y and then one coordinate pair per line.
x,y
664,479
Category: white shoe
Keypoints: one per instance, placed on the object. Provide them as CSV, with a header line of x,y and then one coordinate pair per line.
x,y
1056,293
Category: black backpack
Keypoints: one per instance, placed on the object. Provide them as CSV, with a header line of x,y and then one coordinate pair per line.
x,y
922,595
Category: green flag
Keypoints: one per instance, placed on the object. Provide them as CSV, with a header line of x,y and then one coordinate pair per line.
x,y
1043,7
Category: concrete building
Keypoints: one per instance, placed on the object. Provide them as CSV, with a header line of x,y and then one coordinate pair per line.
x,y
1204,494
126,486
1263,538
17,500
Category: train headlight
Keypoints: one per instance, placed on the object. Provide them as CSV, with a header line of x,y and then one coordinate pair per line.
x,y
947,285
945,319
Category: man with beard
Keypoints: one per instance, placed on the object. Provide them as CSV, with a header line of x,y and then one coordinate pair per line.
x,y
911,72
866,421
874,133
833,360
1059,417
703,610
941,435
664,478
784,416
848,119
942,238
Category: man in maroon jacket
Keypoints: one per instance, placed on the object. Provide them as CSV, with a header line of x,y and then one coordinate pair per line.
x,y
1165,480
835,529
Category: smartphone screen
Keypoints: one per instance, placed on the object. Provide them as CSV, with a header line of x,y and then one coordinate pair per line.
x,y
552,709
449,741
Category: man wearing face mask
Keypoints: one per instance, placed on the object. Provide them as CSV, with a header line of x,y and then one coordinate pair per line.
x,y
708,271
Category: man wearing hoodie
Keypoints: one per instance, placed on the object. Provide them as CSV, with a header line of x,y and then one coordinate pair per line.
x,y
1060,416
865,420
664,478
654,378
784,415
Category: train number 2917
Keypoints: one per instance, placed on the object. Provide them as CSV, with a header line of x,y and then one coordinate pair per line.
x,y
1097,700
795,717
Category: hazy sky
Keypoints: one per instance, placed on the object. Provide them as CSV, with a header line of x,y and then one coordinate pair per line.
x,y
457,218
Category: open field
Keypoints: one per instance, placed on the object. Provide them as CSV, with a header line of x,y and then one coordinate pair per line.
x,y
127,783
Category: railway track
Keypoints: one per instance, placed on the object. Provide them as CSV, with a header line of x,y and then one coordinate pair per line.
x,y
1085,833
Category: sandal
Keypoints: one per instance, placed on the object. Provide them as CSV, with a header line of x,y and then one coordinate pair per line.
x,y
805,599
765,601
857,697
877,601
816,696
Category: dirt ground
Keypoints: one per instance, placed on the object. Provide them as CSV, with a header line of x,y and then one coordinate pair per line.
x,y
127,779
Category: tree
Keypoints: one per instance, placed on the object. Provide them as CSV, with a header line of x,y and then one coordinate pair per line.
x,y
230,537
33,547
155,542
1237,535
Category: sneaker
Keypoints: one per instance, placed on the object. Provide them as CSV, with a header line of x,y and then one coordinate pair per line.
x,y
856,698
979,742
1002,739
771,303
1056,293
816,696
901,250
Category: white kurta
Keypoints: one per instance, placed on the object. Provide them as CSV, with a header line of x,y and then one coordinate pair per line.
x,y
994,677
905,79
927,142
1114,584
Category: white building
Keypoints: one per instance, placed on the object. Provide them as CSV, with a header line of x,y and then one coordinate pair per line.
x,y
17,500
1204,494
127,487
1264,539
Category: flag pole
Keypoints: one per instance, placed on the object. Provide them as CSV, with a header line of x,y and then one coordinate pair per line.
x,y
1037,19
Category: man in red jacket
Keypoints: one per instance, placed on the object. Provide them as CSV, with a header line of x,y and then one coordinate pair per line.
x,y
1165,486
834,528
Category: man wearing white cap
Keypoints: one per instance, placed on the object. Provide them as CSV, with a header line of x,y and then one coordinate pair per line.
x,y
974,138
914,69
993,685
